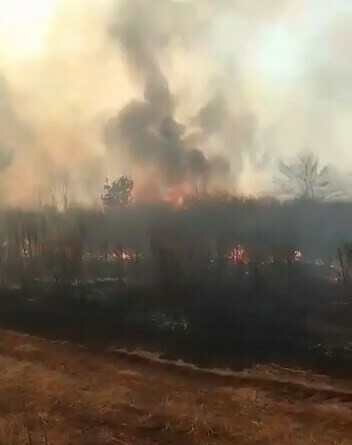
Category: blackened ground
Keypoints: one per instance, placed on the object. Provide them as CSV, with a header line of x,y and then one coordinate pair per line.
x,y
220,327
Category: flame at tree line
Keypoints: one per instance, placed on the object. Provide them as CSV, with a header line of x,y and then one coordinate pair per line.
x,y
123,192
178,230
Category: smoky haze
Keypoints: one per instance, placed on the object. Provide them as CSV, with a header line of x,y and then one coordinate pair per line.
x,y
196,95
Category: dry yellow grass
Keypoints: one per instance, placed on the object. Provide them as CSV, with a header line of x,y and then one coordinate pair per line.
x,y
58,394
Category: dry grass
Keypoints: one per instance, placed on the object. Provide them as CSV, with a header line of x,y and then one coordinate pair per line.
x,y
57,394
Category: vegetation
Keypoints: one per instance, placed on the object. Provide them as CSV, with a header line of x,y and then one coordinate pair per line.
x,y
220,283
57,394
230,275
305,178
118,194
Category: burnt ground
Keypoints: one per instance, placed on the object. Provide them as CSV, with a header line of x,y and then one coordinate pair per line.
x,y
61,393
234,330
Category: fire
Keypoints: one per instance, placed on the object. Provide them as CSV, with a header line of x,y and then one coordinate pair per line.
x,y
149,190
238,255
125,254
176,196
298,255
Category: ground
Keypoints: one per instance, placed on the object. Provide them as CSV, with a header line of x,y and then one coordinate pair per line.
x,y
58,393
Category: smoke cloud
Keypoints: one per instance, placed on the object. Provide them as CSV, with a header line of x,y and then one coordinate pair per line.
x,y
148,128
13,132
179,94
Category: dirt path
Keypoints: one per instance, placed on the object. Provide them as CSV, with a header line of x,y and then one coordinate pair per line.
x,y
58,393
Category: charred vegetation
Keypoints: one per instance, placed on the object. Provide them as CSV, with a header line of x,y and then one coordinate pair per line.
x,y
217,280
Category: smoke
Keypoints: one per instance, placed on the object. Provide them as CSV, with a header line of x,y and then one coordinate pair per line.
x,y
332,68
177,93
13,132
148,128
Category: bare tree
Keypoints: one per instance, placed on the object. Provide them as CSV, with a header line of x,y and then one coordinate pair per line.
x,y
305,177
345,260
65,192
53,195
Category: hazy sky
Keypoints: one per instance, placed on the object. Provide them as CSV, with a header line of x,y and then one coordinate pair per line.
x,y
283,65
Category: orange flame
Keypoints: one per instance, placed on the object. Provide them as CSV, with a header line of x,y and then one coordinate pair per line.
x,y
238,255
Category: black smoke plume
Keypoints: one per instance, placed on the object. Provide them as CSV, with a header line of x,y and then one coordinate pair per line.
x,y
147,128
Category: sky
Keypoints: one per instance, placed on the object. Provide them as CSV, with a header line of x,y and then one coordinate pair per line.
x,y
283,68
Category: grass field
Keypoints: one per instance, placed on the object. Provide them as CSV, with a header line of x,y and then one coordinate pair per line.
x,y
58,393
